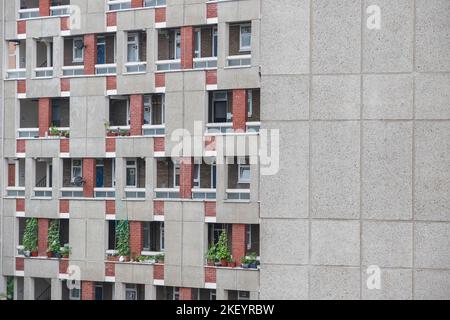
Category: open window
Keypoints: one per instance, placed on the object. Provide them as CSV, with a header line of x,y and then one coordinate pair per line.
x,y
153,238
119,111
220,107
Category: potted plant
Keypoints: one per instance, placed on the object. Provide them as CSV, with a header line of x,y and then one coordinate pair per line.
x,y
124,133
245,262
123,240
223,252
66,251
211,255
53,131
112,257
54,246
65,134
252,260
231,263
30,238
159,258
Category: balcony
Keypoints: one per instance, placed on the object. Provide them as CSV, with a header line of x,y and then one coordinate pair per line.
x,y
60,8
205,47
73,56
169,50
240,45
105,179
136,52
239,180
154,115
29,9
117,5
43,178
16,66
29,119
154,3
106,55
135,179
167,180
204,181
119,116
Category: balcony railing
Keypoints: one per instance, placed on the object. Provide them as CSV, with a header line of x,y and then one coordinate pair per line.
x,y
28,133
136,67
219,128
168,65
205,63
153,130
72,193
167,193
42,192
114,5
13,74
29,13
239,61
15,192
105,193
238,194
253,127
105,69
203,194
60,11
46,72
134,193
154,3
70,71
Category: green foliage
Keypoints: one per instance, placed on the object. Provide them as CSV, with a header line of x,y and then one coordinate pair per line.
x,y
160,257
222,250
211,254
123,238
66,250
54,245
54,131
30,237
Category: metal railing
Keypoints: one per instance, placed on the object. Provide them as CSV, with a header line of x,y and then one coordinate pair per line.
x,y
44,192
13,74
205,63
72,193
167,193
168,65
238,194
46,72
29,13
105,69
253,126
203,194
154,3
15,192
239,61
115,5
105,193
28,132
154,130
60,11
136,67
134,193
219,128
69,71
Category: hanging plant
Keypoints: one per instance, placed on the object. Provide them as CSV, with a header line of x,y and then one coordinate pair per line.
x,y
54,246
123,239
30,237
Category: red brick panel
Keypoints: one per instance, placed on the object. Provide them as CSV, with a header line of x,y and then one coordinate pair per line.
x,y
64,145
136,114
87,290
20,146
20,205
210,143
11,175
90,53
44,7
21,27
64,206
159,144
65,85
45,116
110,144
158,272
240,109
64,23
111,83
160,15
42,236
110,207
89,177
211,10
137,3
187,47
186,177
185,294
111,19
63,265
160,80
21,86
238,242
110,269
158,208
210,275
20,264
210,209
136,238
211,76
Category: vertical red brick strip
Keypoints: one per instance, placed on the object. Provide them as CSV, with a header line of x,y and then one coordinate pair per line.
x,y
111,83
210,274
44,7
187,47
185,294
240,109
21,86
64,23
20,264
158,272
110,269
160,80
211,10
64,206
160,15
158,208
21,27
137,3
11,175
90,54
159,144
87,290
238,242
63,265
20,205
65,85
210,208
89,177
42,236
64,146
111,19
110,144
20,147
136,237
186,176
45,116
136,114
110,207
211,77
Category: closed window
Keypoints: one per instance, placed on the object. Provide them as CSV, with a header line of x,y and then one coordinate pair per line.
x,y
245,43
176,175
244,173
77,168
131,169
133,47
78,50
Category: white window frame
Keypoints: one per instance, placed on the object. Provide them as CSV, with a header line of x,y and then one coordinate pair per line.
x,y
240,179
72,166
134,35
249,236
176,293
214,40
196,176
176,166
198,45
161,236
250,103
241,47
213,168
74,48
177,41
131,166
216,99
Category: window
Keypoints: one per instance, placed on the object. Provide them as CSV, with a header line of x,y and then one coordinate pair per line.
x,y
249,237
250,103
244,173
214,43
77,168
176,175
213,176
212,295
154,110
111,235
177,45
131,168
133,47
78,50
243,295
131,292
220,107
74,294
197,43
196,182
161,236
245,43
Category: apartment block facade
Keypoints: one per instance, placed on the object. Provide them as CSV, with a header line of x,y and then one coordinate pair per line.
x,y
149,118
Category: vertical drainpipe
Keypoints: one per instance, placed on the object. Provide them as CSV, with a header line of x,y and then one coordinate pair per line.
x,y
2,106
